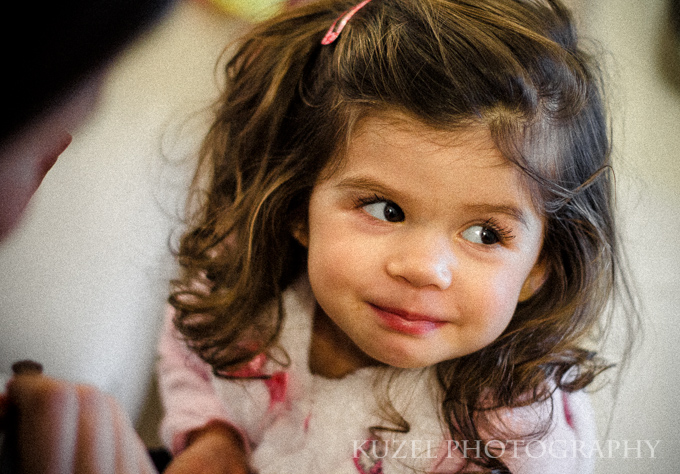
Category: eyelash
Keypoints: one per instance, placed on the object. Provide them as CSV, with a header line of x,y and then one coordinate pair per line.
x,y
504,234
362,201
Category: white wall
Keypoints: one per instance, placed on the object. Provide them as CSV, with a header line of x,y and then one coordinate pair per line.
x,y
646,107
89,266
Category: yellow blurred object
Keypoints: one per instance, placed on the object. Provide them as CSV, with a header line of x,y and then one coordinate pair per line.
x,y
253,10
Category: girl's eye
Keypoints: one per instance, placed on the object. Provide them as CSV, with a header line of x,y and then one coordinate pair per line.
x,y
486,234
385,211
479,234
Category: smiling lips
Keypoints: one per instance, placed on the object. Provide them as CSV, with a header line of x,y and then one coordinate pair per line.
x,y
405,322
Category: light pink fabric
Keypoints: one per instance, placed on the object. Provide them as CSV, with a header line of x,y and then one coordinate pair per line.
x,y
301,423
186,389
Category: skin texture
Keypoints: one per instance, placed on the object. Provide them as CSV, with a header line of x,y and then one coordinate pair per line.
x,y
420,244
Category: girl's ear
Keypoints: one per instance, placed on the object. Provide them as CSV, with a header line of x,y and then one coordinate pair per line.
x,y
534,281
300,232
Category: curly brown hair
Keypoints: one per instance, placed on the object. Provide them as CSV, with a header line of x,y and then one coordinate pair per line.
x,y
288,111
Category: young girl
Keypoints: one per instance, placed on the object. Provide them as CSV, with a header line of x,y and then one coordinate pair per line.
x,y
406,236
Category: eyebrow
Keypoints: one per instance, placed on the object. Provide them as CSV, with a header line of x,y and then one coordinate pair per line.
x,y
362,182
369,184
512,212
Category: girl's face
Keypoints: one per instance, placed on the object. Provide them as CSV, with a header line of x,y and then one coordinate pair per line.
x,y
422,242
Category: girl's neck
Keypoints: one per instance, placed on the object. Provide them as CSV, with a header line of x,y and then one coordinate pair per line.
x,y
332,353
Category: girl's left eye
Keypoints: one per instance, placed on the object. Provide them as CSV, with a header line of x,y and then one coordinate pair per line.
x,y
486,234
385,211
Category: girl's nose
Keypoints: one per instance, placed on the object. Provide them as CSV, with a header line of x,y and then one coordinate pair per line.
x,y
423,262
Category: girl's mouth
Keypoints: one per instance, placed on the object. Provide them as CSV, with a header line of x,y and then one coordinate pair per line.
x,y
413,324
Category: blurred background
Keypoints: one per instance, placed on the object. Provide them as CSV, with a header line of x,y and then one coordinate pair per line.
x,y
83,281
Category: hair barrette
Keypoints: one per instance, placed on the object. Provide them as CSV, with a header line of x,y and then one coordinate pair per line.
x,y
339,24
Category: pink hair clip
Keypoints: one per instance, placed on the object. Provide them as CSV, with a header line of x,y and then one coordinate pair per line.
x,y
338,25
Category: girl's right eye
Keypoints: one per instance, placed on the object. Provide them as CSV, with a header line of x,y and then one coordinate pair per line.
x,y
384,210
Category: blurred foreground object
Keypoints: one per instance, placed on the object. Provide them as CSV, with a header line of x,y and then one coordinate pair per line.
x,y
670,46
253,10
50,49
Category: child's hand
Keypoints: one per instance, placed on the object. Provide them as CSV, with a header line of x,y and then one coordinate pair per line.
x,y
71,429
214,449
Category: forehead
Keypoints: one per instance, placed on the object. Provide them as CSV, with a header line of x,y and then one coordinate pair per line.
x,y
460,163
397,131
391,139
